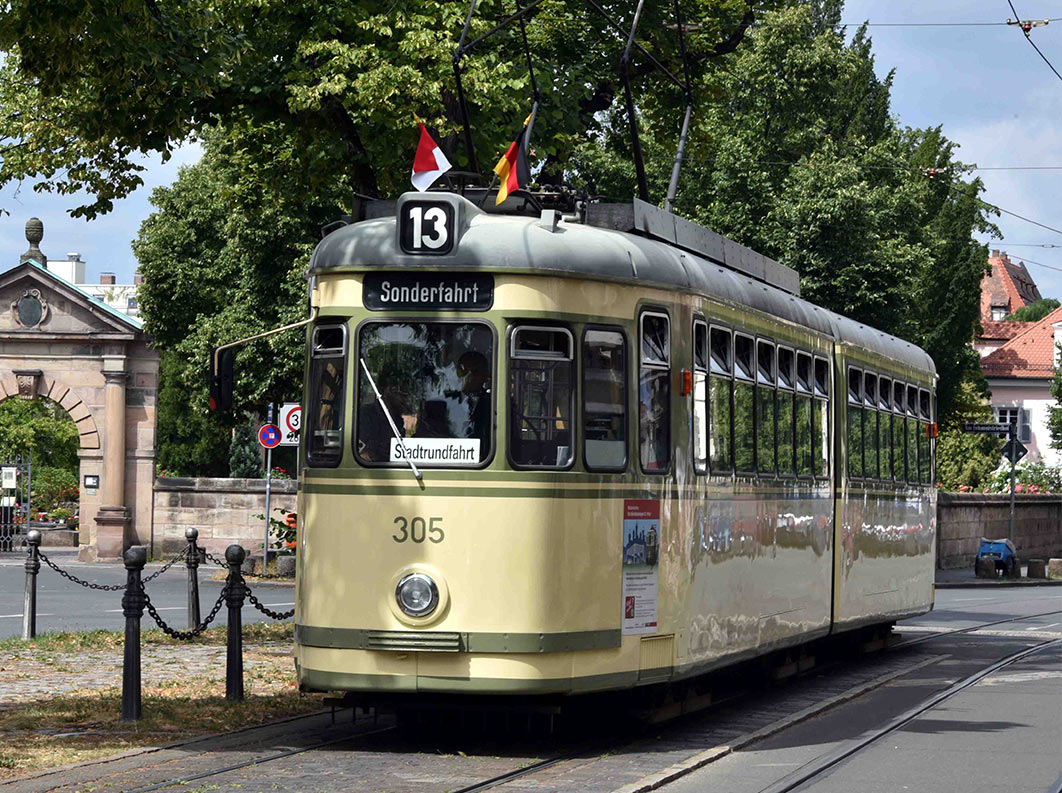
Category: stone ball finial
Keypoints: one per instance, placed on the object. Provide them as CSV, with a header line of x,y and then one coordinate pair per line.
x,y
34,231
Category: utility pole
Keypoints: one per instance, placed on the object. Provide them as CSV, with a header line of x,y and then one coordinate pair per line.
x,y
1013,446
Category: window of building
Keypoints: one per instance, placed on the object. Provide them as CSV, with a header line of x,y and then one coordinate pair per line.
x,y
324,415
541,373
654,394
700,396
999,313
766,462
604,399
1016,415
720,415
744,404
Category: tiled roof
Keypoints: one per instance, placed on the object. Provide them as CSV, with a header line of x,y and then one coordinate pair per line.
x,y
1009,286
1028,355
1003,330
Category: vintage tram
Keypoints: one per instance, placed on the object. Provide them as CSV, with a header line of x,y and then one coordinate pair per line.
x,y
556,454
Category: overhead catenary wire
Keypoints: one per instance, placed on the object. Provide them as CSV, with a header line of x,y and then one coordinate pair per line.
x,y
934,24
1032,43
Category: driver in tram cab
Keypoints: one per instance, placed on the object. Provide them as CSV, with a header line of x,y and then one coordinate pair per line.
x,y
474,372
374,431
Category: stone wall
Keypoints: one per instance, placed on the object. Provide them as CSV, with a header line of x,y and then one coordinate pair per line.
x,y
222,509
964,518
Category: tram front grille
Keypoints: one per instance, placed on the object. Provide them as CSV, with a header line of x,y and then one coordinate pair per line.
x,y
414,641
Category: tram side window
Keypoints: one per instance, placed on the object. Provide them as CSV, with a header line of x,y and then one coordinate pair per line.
x,y
784,407
803,416
604,400
912,434
700,404
885,426
870,426
925,467
820,430
654,394
720,416
765,412
324,418
744,404
899,433
855,424
541,373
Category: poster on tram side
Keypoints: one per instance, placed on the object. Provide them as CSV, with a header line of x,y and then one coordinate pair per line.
x,y
641,552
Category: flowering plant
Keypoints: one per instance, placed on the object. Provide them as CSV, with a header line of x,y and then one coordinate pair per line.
x,y
1033,478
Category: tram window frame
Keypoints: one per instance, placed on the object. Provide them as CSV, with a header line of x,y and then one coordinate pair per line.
x,y
647,365
885,422
899,431
514,356
912,433
766,384
699,427
785,393
624,424
871,467
853,421
319,353
744,377
721,375
804,408
492,379
925,469
821,436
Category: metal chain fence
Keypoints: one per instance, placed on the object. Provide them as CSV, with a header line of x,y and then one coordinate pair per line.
x,y
75,579
276,615
184,635
182,555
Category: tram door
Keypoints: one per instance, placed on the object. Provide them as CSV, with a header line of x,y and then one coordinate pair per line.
x,y
14,500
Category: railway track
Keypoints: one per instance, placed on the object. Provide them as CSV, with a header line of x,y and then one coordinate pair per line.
x,y
384,738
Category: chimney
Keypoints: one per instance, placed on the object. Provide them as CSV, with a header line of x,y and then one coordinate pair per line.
x,y
995,253
107,278
138,279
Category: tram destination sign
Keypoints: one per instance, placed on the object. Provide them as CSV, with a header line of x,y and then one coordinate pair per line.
x,y
1000,429
428,291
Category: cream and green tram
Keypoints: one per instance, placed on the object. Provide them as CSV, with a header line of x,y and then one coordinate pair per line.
x,y
552,455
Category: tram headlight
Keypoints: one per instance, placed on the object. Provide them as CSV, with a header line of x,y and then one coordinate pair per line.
x,y
417,595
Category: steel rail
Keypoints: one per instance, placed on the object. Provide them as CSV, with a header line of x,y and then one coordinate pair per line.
x,y
827,761
973,628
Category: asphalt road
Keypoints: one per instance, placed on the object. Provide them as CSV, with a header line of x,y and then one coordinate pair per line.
x,y
65,606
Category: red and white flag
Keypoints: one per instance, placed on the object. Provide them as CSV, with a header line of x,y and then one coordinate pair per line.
x,y
430,163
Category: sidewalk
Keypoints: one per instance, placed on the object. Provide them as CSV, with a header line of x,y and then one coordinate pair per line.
x,y
964,577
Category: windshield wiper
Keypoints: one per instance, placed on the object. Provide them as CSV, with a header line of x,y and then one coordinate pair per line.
x,y
391,421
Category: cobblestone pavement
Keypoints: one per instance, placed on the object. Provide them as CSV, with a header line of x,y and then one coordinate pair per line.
x,y
31,674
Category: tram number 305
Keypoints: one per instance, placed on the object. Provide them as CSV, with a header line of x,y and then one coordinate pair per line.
x,y
427,227
418,529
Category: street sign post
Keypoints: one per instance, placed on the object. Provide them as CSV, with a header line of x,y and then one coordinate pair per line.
x,y
998,429
1014,450
270,437
290,423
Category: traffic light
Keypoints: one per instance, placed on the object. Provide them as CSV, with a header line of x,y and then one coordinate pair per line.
x,y
220,379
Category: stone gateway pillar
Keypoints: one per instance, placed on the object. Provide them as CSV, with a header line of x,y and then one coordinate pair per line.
x,y
112,520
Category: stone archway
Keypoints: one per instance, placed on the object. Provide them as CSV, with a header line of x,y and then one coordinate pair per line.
x,y
58,342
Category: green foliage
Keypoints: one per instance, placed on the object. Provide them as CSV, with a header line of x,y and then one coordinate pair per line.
x,y
245,461
1029,477
188,441
1054,412
966,460
40,428
52,487
1034,312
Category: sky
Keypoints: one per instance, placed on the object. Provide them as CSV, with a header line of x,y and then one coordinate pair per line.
x,y
983,84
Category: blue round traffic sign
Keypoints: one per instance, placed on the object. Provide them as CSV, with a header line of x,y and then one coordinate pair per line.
x,y
269,435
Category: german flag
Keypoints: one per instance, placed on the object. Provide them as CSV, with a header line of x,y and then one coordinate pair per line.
x,y
512,168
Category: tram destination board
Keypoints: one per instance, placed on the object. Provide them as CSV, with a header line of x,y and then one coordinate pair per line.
x,y
428,291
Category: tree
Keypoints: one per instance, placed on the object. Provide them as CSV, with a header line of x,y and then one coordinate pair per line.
x,y
1033,312
1054,417
40,428
244,459
964,459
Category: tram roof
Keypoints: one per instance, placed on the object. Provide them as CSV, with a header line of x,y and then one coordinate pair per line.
x,y
551,246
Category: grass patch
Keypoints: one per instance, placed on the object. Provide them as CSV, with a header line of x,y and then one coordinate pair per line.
x,y
84,725
74,641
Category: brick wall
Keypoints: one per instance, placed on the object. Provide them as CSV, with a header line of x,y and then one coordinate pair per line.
x,y
222,509
964,518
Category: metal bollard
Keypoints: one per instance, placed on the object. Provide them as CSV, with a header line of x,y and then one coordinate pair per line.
x,y
234,555
133,609
33,566
192,562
